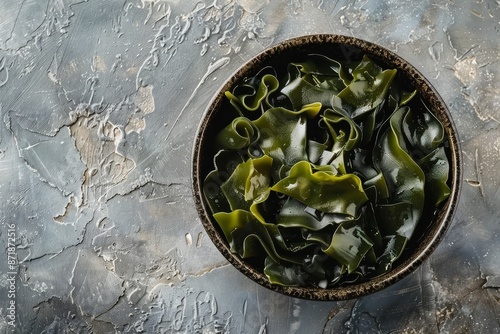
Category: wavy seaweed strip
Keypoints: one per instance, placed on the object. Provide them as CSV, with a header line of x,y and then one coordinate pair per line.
x,y
325,174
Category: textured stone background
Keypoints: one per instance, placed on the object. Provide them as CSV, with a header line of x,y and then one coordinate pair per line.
x,y
99,102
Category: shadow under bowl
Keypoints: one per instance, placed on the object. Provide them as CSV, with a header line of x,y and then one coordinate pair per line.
x,y
340,48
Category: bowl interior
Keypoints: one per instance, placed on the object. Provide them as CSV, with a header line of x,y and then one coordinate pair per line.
x,y
336,47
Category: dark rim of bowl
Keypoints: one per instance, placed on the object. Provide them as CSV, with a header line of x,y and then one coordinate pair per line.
x,y
431,238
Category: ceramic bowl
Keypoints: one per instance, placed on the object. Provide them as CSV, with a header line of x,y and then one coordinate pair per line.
x,y
337,47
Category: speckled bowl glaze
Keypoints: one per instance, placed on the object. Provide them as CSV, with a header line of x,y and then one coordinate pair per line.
x,y
336,47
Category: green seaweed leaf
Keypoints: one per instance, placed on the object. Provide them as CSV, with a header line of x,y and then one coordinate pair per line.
x,y
301,92
422,130
254,96
405,179
367,92
349,245
395,245
436,168
249,181
297,214
345,133
237,135
283,133
323,191
291,275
